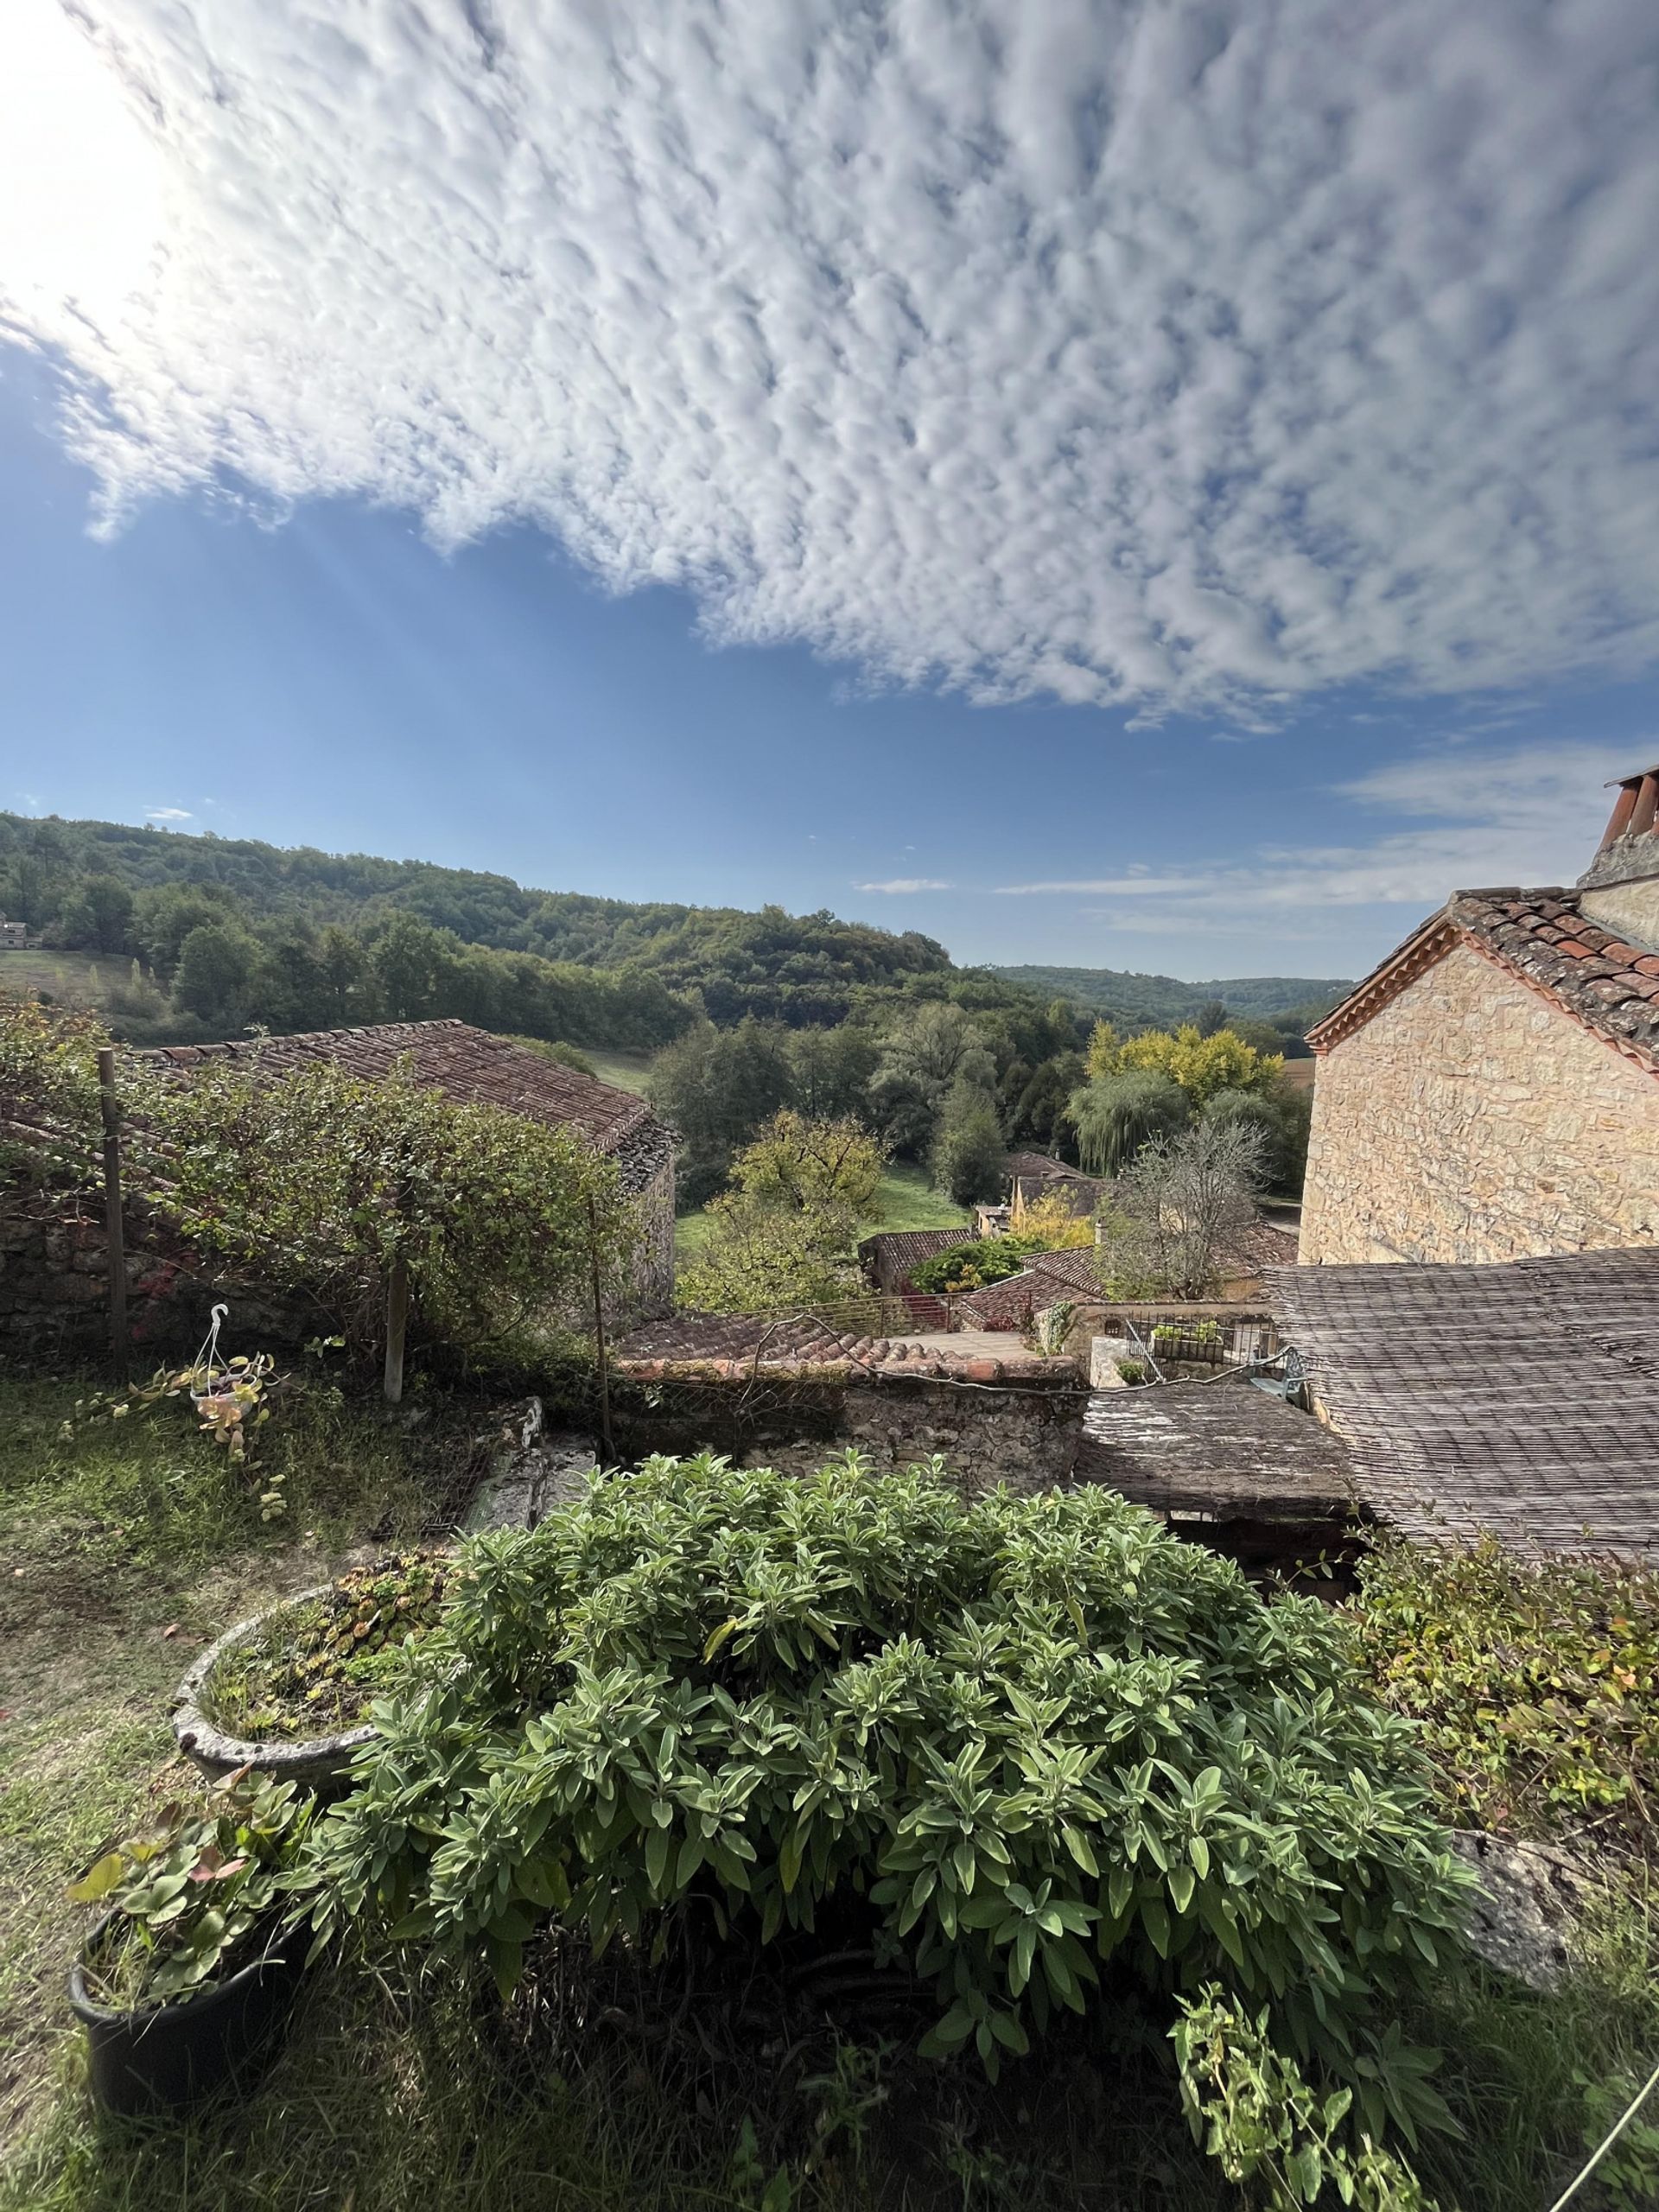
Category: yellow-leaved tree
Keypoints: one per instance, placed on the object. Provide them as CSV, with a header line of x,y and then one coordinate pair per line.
x,y
1201,1066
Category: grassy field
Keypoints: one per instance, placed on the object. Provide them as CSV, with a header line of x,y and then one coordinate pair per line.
x,y
405,2083
81,977
627,1071
904,1199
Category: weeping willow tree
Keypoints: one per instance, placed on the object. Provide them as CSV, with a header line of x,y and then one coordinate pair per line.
x,y
1114,1115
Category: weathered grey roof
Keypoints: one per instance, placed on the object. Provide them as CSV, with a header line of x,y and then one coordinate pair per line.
x,y
1224,1449
1521,1399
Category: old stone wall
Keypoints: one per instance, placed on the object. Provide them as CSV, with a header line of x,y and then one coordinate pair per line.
x,y
55,1290
653,1278
1026,1435
1470,1120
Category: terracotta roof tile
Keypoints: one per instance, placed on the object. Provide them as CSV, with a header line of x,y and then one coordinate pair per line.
x,y
1544,938
726,1344
468,1065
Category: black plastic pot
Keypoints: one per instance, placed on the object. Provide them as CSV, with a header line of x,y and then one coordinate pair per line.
x,y
157,2057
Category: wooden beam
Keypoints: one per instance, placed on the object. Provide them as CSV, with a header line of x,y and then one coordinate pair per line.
x,y
114,1226
396,1327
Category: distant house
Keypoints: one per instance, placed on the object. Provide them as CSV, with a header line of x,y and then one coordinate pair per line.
x,y
14,936
472,1067
1032,1175
1491,1091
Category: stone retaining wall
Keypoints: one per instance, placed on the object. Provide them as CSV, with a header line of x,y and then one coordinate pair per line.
x,y
1025,1430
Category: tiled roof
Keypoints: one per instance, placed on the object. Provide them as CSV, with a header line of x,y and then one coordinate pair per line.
x,y
1521,1398
1548,940
732,1343
1041,1164
1223,1449
1075,1270
468,1065
892,1254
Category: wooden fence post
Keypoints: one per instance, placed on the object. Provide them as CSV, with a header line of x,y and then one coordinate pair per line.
x,y
397,1327
598,1335
114,1228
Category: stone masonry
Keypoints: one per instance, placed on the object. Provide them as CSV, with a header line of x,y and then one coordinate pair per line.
x,y
1469,1119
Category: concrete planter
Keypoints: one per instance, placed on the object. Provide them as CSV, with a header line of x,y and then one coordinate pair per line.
x,y
313,1761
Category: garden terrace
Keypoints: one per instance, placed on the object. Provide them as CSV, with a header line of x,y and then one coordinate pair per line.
x,y
1520,1398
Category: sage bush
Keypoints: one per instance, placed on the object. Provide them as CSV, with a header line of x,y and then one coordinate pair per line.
x,y
1012,1741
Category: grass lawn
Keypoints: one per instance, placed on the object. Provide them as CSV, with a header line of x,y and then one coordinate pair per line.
x,y
404,2086
904,1199
84,977
626,1071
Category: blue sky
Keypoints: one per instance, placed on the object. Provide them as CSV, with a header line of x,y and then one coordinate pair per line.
x,y
1020,478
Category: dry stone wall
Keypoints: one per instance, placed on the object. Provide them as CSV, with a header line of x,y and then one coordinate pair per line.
x,y
1469,1120
1026,1434
54,1289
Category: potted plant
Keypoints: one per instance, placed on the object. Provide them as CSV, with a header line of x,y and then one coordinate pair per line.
x,y
193,1963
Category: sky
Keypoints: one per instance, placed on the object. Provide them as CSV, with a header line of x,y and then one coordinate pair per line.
x,y
1167,484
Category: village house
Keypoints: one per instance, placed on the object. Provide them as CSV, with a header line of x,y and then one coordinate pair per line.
x,y
1491,1091
14,936
471,1066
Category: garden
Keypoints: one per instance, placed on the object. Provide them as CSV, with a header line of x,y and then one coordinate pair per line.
x,y
731,1839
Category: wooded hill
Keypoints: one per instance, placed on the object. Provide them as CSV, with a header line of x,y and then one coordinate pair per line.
x,y
1131,1001
234,931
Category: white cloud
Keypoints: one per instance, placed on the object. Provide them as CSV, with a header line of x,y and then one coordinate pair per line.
x,y
1197,353
168,814
1531,817
903,883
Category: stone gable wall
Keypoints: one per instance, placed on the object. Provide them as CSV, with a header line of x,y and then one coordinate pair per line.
x,y
1469,1120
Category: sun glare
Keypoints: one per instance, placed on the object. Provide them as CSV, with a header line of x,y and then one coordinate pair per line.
x,y
80,203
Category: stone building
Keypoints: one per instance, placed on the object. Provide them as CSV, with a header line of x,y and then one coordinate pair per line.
x,y
1491,1090
471,1066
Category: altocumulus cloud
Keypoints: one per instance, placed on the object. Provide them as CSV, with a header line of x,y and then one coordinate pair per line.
x,y
1529,816
1197,354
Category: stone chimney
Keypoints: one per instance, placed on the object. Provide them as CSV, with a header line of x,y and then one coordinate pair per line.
x,y
1620,887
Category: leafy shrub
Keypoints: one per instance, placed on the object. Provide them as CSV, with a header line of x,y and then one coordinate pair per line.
x,y
49,1082
972,1264
1253,2108
1003,1741
1535,1683
1172,1335
321,1180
